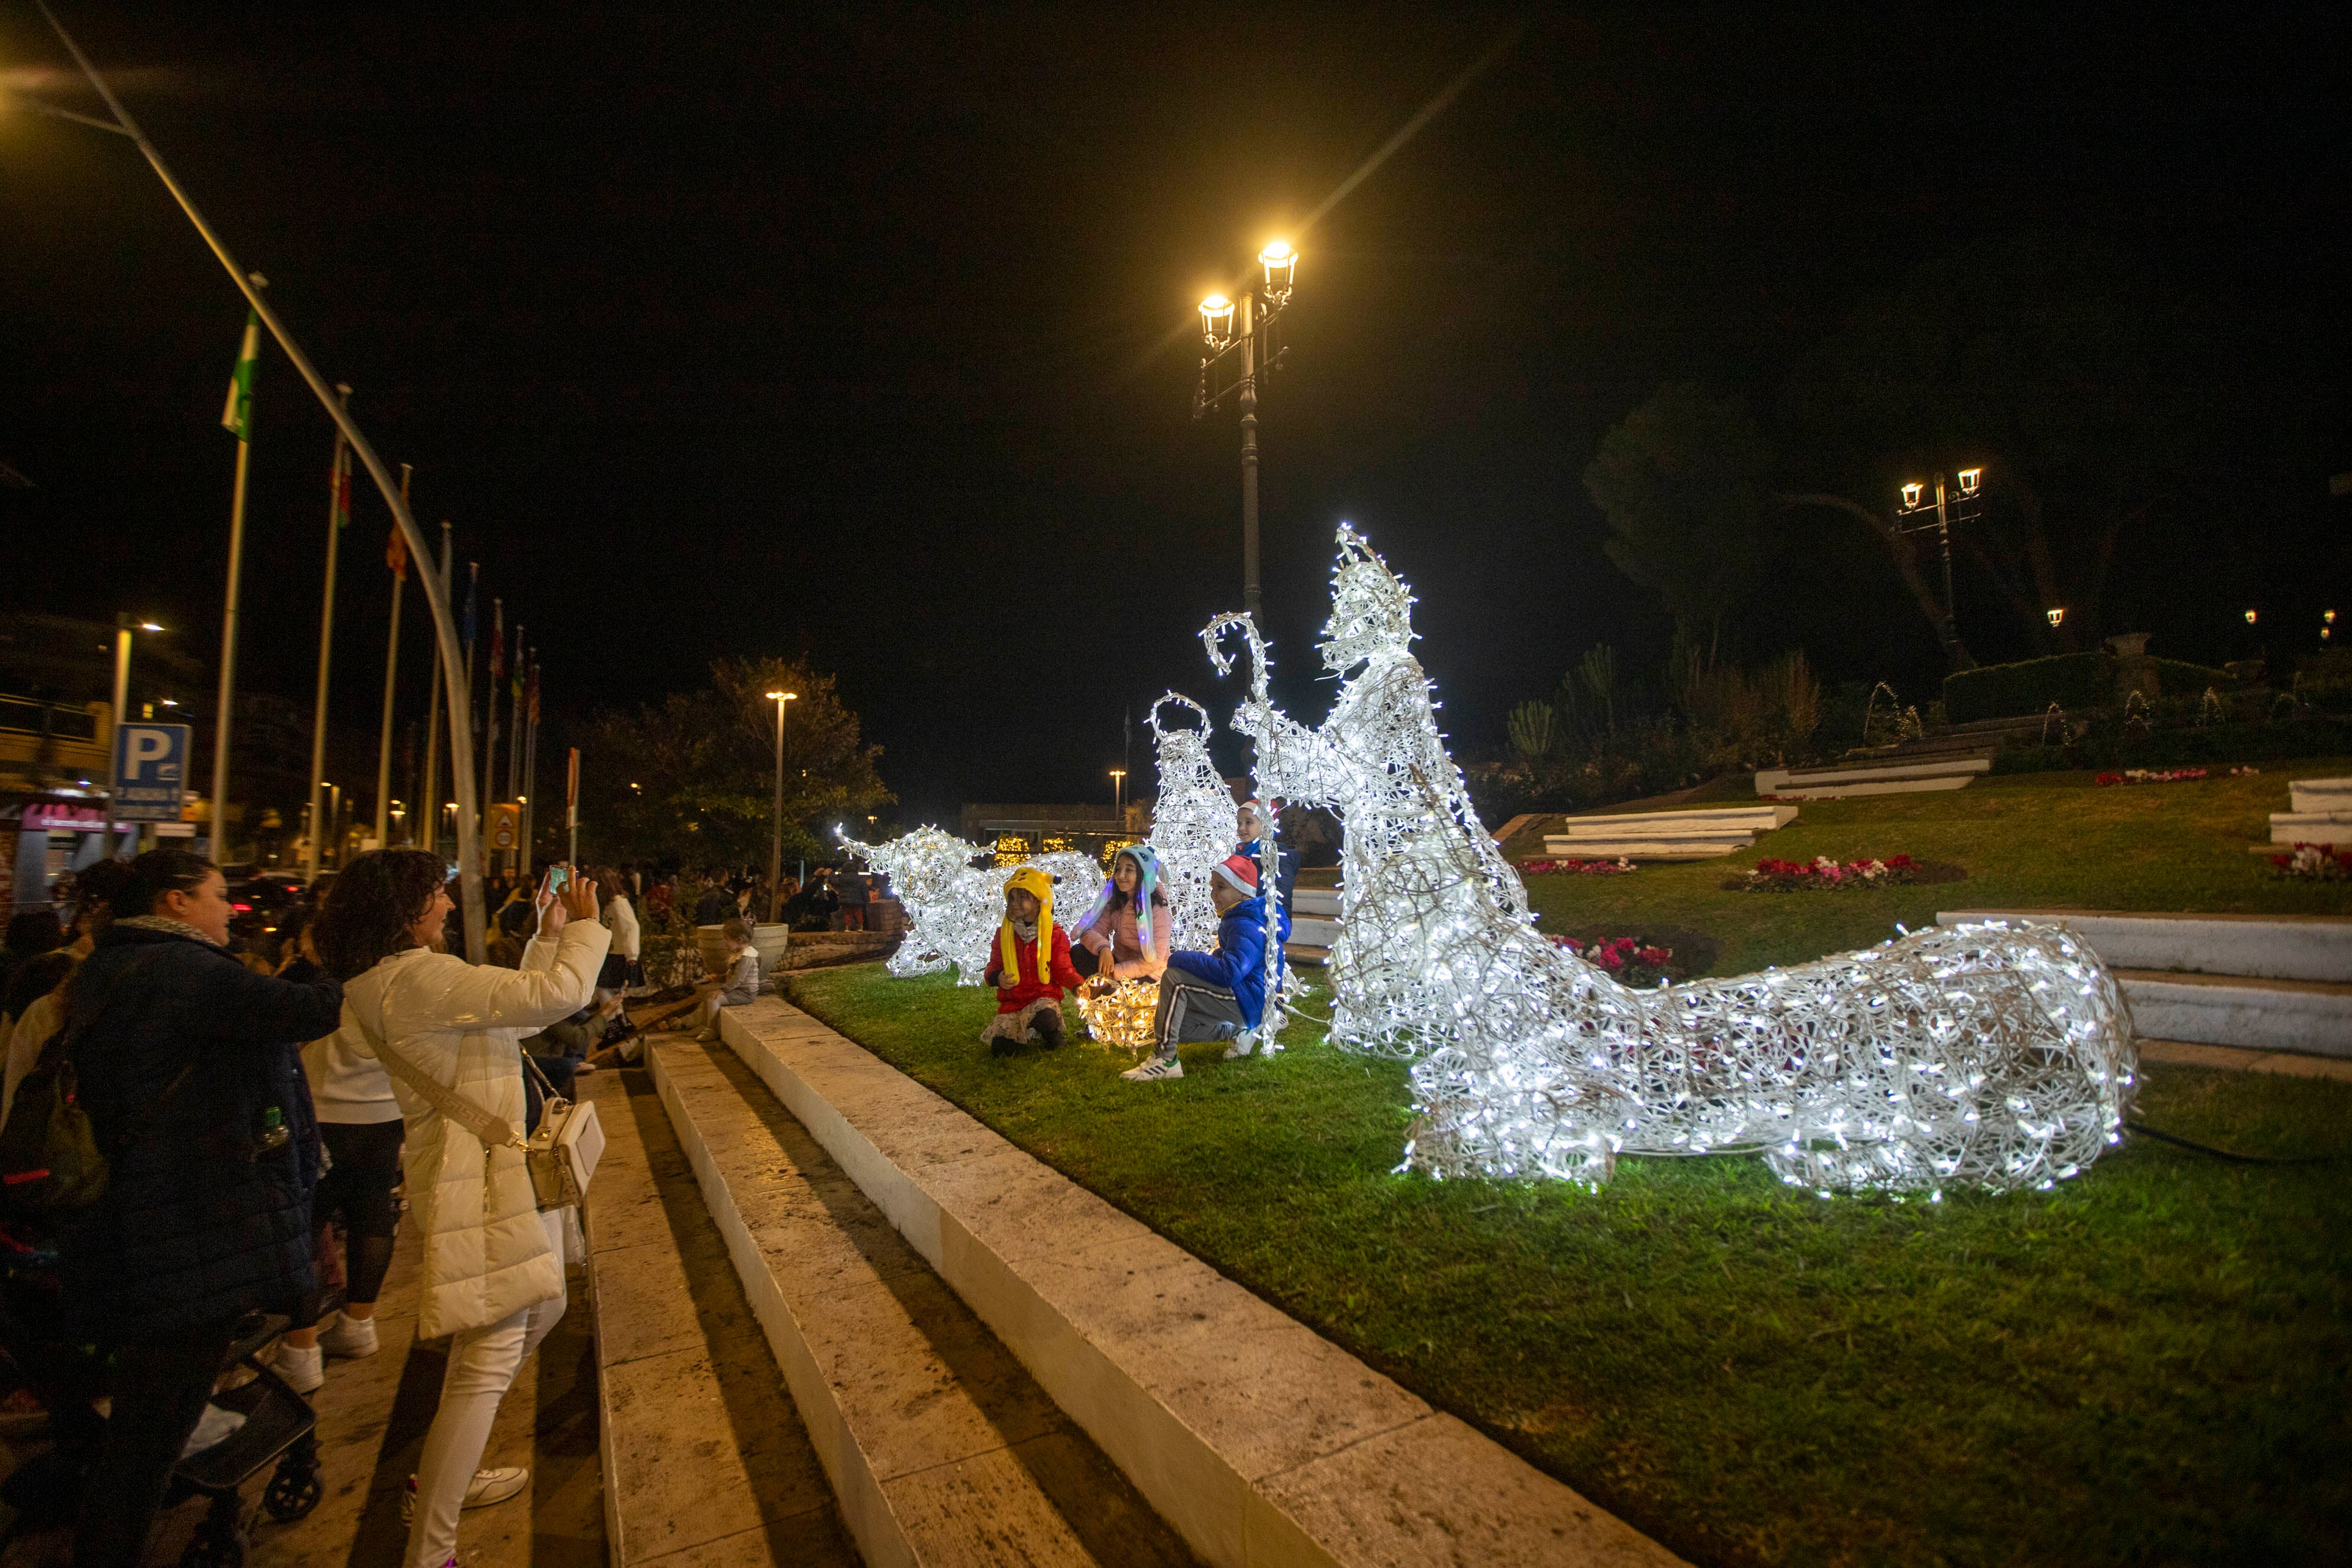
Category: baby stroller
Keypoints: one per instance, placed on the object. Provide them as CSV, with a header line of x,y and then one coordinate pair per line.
x,y
275,1424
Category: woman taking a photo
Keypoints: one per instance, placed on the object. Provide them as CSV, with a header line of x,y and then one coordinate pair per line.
x,y
493,1262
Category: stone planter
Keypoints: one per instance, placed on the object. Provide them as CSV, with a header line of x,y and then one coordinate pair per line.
x,y
770,942
711,942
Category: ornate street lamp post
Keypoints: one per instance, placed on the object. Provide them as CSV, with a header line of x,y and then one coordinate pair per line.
x,y
1232,330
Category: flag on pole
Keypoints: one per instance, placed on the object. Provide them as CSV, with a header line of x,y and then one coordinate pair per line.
x,y
473,581
237,417
514,691
395,552
497,639
533,698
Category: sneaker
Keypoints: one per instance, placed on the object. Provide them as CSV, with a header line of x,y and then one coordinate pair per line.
x,y
487,1487
1243,1044
349,1337
1154,1070
303,1370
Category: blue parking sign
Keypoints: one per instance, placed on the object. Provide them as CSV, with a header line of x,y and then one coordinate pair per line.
x,y
151,766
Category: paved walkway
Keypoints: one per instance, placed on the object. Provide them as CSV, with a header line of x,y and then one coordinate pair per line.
x,y
372,1414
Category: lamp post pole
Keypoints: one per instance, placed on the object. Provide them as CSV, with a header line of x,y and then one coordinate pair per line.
x,y
123,626
1948,509
776,844
1249,459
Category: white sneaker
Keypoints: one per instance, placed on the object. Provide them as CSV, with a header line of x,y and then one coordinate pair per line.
x,y
303,1370
1154,1070
1243,1044
349,1337
487,1487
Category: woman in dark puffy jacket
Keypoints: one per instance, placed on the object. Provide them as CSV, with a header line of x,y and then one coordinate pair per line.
x,y
189,1057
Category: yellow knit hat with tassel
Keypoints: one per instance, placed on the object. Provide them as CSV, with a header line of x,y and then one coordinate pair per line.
x,y
1040,886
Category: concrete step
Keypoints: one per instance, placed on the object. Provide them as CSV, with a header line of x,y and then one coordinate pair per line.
x,y
2324,796
705,1459
1885,787
2330,827
1260,1441
1315,953
941,1447
1700,820
2258,947
1648,848
2230,1059
1320,902
1315,930
1787,781
2307,1016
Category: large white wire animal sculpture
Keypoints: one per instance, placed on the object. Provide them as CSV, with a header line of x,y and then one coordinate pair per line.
x,y
1191,824
1993,1056
954,907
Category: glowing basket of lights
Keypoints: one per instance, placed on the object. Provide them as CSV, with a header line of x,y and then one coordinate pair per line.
x,y
1120,1016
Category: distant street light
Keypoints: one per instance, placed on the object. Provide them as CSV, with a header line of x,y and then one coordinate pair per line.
x,y
1948,509
1118,793
2250,617
776,845
1230,328
2056,616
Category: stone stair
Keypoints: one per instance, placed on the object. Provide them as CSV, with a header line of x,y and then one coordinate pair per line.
x,y
2251,982
1697,832
2320,813
1952,770
939,1445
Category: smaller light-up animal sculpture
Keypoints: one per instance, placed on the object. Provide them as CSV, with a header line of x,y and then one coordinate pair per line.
x,y
1191,824
953,908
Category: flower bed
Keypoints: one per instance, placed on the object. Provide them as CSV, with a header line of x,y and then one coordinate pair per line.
x,y
2168,775
1797,876
2314,862
1621,957
1576,867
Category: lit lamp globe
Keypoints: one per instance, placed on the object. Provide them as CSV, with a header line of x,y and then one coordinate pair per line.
x,y
1281,265
1969,479
1217,320
1911,497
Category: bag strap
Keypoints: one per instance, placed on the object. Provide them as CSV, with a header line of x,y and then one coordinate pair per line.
x,y
534,1068
495,1132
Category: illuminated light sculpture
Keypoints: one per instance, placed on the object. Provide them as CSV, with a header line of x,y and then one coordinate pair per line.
x,y
953,908
1993,1056
1122,1014
1191,825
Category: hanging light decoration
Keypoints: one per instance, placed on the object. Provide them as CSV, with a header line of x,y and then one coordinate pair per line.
x,y
1191,824
1993,1056
953,906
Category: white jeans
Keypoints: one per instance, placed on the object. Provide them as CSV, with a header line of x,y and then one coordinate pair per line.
x,y
482,1366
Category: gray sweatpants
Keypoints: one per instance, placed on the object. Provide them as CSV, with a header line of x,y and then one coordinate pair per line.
x,y
1192,1010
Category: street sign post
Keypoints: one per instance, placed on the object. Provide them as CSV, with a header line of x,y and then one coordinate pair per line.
x,y
151,769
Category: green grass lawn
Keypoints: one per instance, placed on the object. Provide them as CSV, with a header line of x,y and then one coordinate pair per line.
x,y
2038,841
2148,1365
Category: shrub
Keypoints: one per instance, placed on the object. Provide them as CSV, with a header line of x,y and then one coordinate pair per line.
x,y
2179,678
2030,686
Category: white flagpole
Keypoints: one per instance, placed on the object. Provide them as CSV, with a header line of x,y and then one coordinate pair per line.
x,y
391,674
529,756
490,724
428,790
228,696
318,830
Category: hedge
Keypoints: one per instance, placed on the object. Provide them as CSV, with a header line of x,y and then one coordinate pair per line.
x,y
2179,678
2030,686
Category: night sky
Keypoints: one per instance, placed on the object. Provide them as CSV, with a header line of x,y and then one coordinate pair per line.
x,y
856,334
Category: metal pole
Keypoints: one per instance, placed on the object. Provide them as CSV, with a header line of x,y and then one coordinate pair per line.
x,y
428,789
572,802
1249,458
514,737
490,720
391,673
114,717
326,640
1951,608
776,844
469,826
529,764
228,696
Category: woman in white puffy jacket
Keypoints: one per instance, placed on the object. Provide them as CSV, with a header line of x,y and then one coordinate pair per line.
x,y
493,1263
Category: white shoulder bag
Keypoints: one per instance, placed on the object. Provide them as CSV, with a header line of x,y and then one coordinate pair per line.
x,y
562,1155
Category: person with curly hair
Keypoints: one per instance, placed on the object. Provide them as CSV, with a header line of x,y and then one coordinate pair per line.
x,y
493,1262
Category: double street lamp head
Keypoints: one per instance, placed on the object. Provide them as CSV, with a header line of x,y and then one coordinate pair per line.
x,y
1217,320
1281,265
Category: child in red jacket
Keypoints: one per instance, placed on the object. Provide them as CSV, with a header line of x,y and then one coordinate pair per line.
x,y
1030,967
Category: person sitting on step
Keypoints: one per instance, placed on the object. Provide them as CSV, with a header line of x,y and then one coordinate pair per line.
x,y
1219,995
1030,967
740,986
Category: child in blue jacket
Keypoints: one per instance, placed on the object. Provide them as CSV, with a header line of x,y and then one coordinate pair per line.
x,y
1219,995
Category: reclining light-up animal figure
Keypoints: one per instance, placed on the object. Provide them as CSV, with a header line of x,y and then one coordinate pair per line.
x,y
1993,1056
953,907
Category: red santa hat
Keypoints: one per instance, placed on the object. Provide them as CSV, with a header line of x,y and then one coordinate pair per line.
x,y
1242,872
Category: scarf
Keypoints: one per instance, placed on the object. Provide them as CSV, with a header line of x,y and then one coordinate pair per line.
x,y
1146,882
1036,883
165,922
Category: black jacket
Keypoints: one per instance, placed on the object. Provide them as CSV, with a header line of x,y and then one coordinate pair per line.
x,y
199,1223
